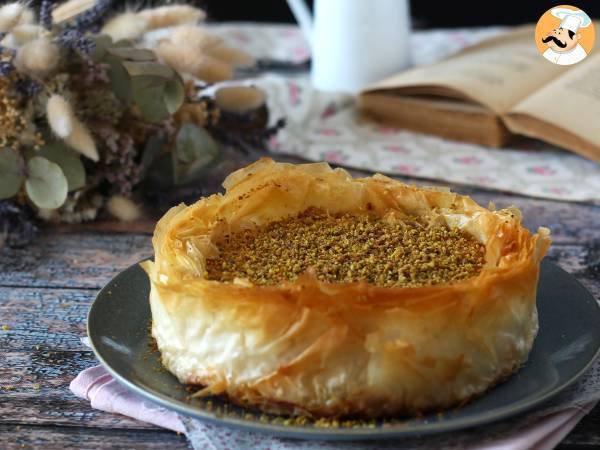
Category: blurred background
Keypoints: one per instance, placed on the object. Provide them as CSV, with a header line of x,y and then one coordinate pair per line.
x,y
425,14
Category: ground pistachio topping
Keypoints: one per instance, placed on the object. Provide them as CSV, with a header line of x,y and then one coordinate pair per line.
x,y
346,248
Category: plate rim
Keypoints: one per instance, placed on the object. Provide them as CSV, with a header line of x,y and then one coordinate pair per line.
x,y
335,434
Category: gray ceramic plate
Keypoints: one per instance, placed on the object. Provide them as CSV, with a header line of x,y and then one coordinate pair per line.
x,y
567,343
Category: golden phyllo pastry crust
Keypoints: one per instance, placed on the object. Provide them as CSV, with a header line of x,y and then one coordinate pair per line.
x,y
345,344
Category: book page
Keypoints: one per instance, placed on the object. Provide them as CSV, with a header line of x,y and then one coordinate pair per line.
x,y
497,73
570,102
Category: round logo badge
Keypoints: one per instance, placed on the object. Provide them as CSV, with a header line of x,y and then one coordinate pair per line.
x,y
565,35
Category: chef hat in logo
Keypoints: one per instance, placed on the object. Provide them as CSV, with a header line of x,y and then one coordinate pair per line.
x,y
571,19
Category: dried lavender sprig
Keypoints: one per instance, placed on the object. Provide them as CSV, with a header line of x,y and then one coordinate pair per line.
x,y
46,14
75,40
8,50
89,17
27,87
73,37
5,68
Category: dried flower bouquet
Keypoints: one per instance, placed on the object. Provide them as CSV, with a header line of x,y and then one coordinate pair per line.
x,y
92,105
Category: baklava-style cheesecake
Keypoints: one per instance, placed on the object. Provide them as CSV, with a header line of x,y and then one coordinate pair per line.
x,y
304,291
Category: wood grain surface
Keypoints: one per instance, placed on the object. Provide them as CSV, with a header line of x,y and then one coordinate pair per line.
x,y
46,290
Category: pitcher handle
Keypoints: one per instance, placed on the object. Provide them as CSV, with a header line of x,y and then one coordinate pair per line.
x,y
303,17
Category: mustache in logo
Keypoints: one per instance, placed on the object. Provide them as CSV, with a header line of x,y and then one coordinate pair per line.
x,y
556,41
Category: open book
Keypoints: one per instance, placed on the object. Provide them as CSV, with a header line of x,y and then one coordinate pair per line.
x,y
495,89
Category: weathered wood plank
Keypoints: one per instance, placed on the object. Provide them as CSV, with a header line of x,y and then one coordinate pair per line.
x,y
141,226
77,260
576,447
38,376
13,437
34,389
39,394
583,436
58,411
587,432
41,373
581,261
42,319
41,353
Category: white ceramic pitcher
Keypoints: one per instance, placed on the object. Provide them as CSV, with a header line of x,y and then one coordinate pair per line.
x,y
355,42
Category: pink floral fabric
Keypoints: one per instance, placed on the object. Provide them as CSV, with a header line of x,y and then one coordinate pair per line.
x,y
326,126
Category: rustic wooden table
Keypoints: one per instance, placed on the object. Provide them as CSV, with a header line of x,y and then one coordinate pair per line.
x,y
47,288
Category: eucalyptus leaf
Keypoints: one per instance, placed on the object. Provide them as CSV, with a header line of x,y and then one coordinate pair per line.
x,y
120,82
102,43
148,82
68,160
121,43
149,68
195,149
152,150
147,93
185,144
132,53
162,173
174,95
187,173
11,176
46,184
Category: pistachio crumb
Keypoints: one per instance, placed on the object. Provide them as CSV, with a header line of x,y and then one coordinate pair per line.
x,y
348,248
